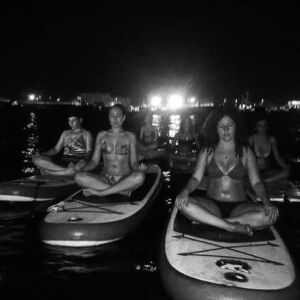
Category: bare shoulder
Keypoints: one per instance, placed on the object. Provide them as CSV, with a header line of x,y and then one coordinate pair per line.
x,y
101,135
130,136
86,134
65,133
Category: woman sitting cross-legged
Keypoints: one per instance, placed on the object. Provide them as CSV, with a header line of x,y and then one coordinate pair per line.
x,y
228,161
120,172
148,140
76,145
270,164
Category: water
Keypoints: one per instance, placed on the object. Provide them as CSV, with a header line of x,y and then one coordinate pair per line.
x,y
127,268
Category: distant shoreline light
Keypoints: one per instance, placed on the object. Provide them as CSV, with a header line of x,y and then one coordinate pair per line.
x,y
174,102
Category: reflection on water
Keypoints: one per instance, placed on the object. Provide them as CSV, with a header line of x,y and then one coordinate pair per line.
x,y
157,122
31,144
171,122
174,124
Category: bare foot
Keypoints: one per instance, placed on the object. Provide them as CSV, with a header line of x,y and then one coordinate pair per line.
x,y
69,171
92,192
125,193
57,207
240,228
88,192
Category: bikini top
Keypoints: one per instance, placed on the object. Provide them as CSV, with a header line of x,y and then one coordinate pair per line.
x,y
237,172
148,138
121,149
75,146
260,151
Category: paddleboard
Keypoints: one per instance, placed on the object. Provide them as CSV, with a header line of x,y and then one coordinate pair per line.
x,y
39,188
293,192
151,154
198,261
83,221
279,191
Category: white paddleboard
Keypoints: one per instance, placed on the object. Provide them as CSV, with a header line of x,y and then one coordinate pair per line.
x,y
200,268
82,222
37,188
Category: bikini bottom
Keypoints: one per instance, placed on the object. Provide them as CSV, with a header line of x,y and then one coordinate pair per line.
x,y
226,208
111,180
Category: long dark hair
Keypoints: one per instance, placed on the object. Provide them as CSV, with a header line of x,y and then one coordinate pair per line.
x,y
210,133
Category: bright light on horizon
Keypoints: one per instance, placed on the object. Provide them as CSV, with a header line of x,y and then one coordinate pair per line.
x,y
192,100
175,101
155,101
31,97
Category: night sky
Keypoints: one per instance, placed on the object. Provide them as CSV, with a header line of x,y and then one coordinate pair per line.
x,y
212,50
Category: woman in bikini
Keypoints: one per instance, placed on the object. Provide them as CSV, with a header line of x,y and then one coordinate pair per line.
x,y
228,161
269,162
148,140
76,145
185,146
120,172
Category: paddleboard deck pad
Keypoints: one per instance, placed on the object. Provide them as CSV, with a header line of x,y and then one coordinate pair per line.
x,y
39,188
202,262
83,221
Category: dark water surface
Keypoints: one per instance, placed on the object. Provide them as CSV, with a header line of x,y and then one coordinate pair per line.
x,y
127,268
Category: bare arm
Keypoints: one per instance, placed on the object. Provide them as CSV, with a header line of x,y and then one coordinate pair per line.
x,y
141,133
194,181
271,211
183,197
133,152
58,147
89,146
254,177
278,158
93,163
